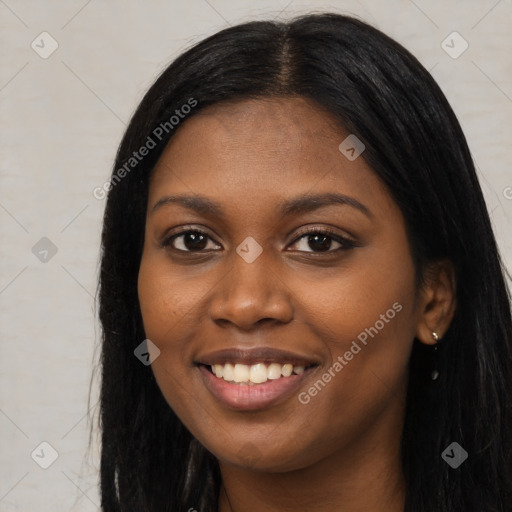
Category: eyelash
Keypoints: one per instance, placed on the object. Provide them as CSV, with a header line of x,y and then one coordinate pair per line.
x,y
346,244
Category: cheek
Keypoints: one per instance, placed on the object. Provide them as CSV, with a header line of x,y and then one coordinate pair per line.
x,y
164,309
164,305
166,297
366,319
373,297
171,302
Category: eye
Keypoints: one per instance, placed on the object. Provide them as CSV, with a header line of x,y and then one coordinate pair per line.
x,y
317,240
321,239
189,241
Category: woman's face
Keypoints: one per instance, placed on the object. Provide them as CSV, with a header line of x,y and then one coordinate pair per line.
x,y
303,266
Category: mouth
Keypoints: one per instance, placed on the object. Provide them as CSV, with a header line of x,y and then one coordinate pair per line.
x,y
253,379
259,373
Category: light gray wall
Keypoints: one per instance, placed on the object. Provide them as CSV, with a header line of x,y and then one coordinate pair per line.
x,y
61,120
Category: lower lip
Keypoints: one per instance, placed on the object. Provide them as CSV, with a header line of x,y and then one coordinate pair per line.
x,y
243,397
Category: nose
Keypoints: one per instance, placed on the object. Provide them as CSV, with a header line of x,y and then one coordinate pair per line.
x,y
251,294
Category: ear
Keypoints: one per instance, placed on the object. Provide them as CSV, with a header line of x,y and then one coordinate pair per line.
x,y
437,301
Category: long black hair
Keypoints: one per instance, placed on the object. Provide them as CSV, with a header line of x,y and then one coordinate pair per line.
x,y
414,143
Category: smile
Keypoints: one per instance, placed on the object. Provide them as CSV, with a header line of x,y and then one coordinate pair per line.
x,y
255,374
254,379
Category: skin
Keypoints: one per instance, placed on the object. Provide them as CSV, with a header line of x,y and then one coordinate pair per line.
x,y
340,451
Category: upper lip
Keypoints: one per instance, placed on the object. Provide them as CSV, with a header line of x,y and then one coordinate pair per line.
x,y
255,355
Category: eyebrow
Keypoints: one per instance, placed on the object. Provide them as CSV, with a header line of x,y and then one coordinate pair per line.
x,y
301,204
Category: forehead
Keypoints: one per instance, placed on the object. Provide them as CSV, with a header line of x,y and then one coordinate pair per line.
x,y
273,125
260,151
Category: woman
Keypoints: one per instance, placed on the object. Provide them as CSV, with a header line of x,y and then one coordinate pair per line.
x,y
302,301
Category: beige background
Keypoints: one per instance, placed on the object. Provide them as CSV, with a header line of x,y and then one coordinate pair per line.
x,y
61,120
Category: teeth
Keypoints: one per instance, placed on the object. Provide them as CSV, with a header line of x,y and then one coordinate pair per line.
x,y
255,374
258,373
274,371
241,373
286,370
227,373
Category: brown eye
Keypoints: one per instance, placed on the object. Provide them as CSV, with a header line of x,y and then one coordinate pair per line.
x,y
322,240
189,241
